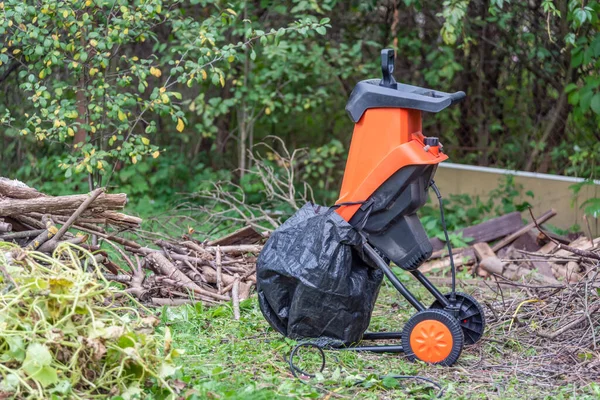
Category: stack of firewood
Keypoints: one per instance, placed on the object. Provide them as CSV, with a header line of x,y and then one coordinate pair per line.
x,y
505,247
181,270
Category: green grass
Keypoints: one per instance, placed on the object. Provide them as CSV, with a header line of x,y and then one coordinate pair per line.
x,y
246,359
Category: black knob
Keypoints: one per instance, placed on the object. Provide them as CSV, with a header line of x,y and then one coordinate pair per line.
x,y
431,141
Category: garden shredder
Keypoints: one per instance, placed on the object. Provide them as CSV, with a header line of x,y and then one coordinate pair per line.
x,y
312,269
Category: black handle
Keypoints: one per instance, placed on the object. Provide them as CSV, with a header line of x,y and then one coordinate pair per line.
x,y
458,96
387,68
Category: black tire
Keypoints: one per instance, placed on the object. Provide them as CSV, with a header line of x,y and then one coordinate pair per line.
x,y
471,316
413,327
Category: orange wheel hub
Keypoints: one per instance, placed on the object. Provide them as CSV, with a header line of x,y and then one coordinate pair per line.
x,y
431,341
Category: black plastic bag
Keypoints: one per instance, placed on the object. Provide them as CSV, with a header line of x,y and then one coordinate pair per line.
x,y
313,280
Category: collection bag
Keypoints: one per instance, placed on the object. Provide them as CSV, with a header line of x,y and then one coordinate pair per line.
x,y
313,280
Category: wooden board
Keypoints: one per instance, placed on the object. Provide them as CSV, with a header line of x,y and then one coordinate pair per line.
x,y
246,235
487,231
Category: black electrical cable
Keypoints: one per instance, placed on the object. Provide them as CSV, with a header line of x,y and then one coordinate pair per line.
x,y
452,267
296,370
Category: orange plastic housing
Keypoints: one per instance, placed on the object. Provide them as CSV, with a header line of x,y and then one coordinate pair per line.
x,y
384,140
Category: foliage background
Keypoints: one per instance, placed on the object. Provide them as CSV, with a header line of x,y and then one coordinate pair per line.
x,y
158,97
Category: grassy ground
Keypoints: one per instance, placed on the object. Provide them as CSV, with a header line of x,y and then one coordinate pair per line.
x,y
246,359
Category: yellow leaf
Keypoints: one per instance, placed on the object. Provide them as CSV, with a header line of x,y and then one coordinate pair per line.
x,y
146,141
93,71
88,3
16,51
230,11
168,340
10,23
56,123
165,98
89,168
93,42
134,159
162,89
134,58
180,125
53,230
99,165
23,132
114,137
156,154
204,74
267,111
65,14
122,116
222,80
42,74
70,131
155,72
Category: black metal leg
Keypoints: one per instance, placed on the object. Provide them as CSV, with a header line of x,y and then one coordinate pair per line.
x,y
382,335
429,286
376,349
393,279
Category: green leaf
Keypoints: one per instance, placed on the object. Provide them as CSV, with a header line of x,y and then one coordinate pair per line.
x,y
321,30
585,100
389,382
595,104
37,364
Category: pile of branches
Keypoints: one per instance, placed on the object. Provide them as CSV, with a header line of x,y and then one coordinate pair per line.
x,y
505,248
182,270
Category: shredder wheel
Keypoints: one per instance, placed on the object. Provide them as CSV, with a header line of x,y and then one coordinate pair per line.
x,y
471,316
433,336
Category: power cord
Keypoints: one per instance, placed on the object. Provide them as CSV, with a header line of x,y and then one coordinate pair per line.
x,y
443,219
297,370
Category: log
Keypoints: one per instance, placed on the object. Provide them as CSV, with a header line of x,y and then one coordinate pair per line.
x,y
162,266
512,237
52,204
211,277
488,261
21,235
235,297
5,227
237,249
245,289
82,207
17,190
487,231
548,248
464,258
